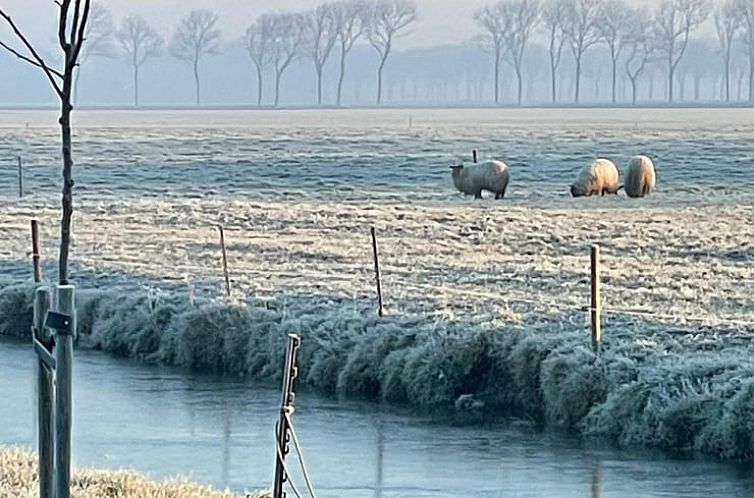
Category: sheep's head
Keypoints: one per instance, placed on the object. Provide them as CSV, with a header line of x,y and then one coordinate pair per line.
x,y
576,191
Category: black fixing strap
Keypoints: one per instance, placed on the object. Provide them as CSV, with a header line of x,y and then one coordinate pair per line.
x,y
60,323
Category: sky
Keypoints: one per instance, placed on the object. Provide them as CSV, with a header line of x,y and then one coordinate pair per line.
x,y
441,21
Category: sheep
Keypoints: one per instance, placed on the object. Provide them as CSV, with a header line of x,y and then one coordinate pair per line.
x,y
640,178
598,178
492,176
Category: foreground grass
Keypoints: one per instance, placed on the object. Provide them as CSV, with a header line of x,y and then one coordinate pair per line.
x,y
18,479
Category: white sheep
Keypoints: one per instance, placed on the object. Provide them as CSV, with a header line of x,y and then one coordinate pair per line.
x,y
640,178
598,178
491,176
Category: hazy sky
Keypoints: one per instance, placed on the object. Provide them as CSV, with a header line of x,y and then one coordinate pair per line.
x,y
441,21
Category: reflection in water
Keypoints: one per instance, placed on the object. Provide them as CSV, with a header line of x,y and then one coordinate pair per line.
x,y
169,423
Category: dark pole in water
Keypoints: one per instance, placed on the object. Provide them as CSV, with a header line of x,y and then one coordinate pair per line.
x,y
596,301
377,273
35,251
20,178
474,155
225,260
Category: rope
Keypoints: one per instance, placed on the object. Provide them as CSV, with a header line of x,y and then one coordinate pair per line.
x,y
300,454
281,459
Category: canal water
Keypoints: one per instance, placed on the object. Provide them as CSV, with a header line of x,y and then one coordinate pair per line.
x,y
218,430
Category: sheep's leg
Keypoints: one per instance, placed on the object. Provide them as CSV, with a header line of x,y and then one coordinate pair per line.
x,y
478,195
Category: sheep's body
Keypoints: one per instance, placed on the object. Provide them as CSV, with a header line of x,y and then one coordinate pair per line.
x,y
640,178
491,176
599,178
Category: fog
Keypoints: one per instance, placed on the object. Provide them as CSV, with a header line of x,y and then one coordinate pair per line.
x,y
440,59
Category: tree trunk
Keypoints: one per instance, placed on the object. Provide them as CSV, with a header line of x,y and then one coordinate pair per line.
x,y
278,76
319,84
615,78
520,86
633,91
751,77
497,77
671,76
727,79
651,87
553,77
578,80
136,85
196,82
379,81
342,73
67,198
76,85
259,86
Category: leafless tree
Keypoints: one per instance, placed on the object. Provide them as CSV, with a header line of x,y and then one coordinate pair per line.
x,y
387,18
258,41
745,10
140,42
350,23
72,27
196,37
641,50
616,21
288,35
495,27
580,25
552,17
321,35
99,41
674,21
727,25
522,17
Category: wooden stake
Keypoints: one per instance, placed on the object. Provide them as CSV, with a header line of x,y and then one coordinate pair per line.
x,y
286,411
45,424
595,307
20,178
36,258
475,155
225,261
63,393
380,310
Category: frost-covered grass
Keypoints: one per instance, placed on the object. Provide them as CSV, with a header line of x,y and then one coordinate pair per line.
x,y
19,479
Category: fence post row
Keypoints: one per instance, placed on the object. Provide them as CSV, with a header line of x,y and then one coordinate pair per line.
x,y
226,276
54,399
378,283
596,302
286,410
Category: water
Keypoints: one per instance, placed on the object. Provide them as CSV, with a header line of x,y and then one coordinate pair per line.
x,y
700,154
167,422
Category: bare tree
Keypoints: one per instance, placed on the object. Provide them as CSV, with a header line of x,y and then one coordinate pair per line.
x,y
674,20
745,10
616,22
350,23
387,18
552,17
492,21
287,37
72,28
727,25
99,41
580,25
259,41
522,16
196,37
321,35
140,42
641,50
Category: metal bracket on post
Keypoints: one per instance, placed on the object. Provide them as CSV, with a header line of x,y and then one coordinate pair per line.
x,y
59,322
286,410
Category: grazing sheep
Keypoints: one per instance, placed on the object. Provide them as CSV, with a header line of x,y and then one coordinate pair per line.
x,y
640,178
491,176
598,178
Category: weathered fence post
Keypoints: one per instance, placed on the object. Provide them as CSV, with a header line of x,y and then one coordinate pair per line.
x,y
380,310
36,258
225,260
286,410
45,428
596,303
63,323
475,155
20,178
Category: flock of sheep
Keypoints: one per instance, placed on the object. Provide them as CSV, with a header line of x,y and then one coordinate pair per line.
x,y
598,178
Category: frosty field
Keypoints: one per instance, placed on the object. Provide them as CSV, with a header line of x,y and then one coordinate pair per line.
x,y
483,298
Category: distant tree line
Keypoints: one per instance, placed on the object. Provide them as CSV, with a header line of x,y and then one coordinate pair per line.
x,y
568,43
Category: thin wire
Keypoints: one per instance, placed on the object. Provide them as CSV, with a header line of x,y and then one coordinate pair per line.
x,y
300,453
282,463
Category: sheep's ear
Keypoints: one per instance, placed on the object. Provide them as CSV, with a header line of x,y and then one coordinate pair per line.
x,y
457,166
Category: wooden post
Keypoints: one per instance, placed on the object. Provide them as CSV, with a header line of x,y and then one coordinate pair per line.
x,y
225,261
595,307
475,155
45,428
380,310
35,251
64,298
286,410
20,178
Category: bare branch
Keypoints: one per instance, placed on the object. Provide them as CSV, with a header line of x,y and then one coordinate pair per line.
x,y
30,61
64,7
81,30
36,57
